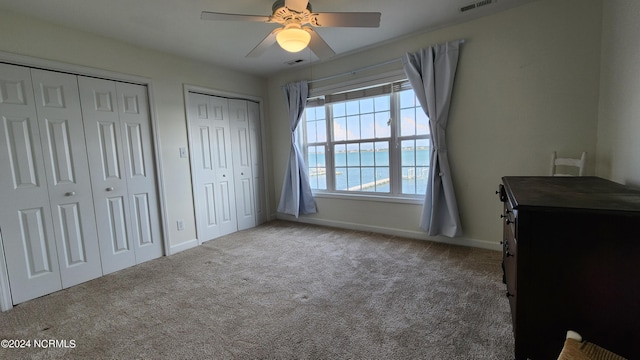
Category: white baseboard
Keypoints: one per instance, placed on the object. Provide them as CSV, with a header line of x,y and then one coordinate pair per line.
x,y
482,244
174,249
5,292
5,298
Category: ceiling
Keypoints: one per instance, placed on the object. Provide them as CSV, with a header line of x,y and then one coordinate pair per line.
x,y
174,26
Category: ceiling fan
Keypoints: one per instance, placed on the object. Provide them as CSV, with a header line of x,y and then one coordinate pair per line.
x,y
295,35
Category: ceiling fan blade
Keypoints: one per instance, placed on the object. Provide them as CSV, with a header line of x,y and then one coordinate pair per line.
x,y
264,44
347,19
208,15
296,5
319,46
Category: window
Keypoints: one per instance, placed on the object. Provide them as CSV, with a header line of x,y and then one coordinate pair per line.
x,y
368,141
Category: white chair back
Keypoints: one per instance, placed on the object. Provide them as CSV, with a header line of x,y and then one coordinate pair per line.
x,y
561,166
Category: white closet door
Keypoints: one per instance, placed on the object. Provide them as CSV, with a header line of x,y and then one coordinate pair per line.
x,y
223,162
108,173
212,166
255,144
202,155
25,213
242,164
133,111
67,169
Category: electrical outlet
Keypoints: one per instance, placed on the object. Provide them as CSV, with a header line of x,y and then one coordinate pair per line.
x,y
180,225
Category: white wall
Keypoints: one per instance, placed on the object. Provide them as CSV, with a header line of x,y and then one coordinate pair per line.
x,y
527,84
619,124
28,36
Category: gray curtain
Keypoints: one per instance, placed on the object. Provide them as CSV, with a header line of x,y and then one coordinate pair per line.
x,y
296,197
431,72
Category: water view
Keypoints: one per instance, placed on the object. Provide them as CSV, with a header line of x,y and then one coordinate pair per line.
x,y
369,170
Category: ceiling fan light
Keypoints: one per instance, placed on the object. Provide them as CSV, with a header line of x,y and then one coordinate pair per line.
x,y
293,39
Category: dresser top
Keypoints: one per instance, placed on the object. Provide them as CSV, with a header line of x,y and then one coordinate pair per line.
x,y
580,193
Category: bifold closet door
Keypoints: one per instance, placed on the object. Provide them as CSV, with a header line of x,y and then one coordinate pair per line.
x,y
212,166
67,169
242,164
255,145
25,215
46,215
133,110
122,172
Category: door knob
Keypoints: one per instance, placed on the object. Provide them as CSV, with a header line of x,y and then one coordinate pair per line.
x,y
70,193
110,188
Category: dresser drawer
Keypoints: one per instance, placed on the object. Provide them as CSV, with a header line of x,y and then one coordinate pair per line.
x,y
509,250
510,216
510,260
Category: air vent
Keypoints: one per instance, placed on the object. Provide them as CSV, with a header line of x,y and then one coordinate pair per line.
x,y
483,3
477,4
468,7
293,62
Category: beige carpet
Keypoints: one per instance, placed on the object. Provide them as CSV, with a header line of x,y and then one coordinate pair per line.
x,y
281,291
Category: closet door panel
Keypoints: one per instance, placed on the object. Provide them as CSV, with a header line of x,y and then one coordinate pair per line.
x,y
202,157
212,166
25,213
67,169
117,225
108,174
226,210
242,169
245,190
208,185
140,171
223,169
255,146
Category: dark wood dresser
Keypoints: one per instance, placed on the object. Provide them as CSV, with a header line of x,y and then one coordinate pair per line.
x,y
571,259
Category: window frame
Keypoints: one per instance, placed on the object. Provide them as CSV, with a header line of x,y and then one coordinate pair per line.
x,y
395,141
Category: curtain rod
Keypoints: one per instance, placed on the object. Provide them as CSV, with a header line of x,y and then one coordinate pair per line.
x,y
353,72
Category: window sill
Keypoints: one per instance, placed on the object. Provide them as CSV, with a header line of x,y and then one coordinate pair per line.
x,y
401,199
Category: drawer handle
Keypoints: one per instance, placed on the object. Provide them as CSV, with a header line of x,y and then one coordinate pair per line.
x,y
507,254
70,193
510,222
110,188
509,294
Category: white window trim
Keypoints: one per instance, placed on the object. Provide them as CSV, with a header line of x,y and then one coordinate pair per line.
x,y
401,199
